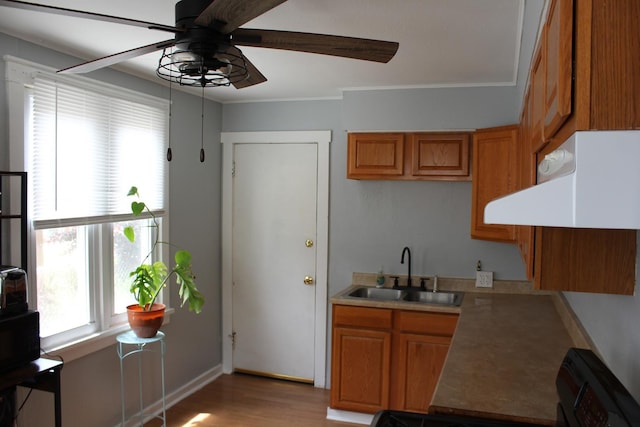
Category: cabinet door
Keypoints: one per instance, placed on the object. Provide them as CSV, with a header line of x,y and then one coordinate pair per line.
x,y
419,361
558,59
360,369
420,345
440,155
375,155
494,175
537,79
585,260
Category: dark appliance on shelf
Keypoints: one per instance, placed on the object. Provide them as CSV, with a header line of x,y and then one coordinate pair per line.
x,y
19,340
13,291
589,395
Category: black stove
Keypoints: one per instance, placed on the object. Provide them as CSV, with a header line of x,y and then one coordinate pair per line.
x,y
409,419
589,396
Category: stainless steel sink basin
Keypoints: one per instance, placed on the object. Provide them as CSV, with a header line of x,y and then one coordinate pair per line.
x,y
444,298
407,295
377,293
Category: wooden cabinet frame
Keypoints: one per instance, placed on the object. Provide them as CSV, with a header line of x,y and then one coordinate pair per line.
x,y
586,69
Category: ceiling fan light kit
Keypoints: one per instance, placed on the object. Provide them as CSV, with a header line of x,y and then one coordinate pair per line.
x,y
193,69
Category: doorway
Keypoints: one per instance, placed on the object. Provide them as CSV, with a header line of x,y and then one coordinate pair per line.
x,y
275,240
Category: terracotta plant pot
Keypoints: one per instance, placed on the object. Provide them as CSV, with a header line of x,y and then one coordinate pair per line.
x,y
145,324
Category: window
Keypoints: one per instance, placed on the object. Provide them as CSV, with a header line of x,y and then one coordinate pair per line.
x,y
86,144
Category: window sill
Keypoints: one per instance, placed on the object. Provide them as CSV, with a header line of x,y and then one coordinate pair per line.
x,y
95,342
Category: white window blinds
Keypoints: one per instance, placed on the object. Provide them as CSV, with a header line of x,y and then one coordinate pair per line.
x,y
89,147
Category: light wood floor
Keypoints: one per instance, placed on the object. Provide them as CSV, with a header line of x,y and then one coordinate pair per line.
x,y
244,400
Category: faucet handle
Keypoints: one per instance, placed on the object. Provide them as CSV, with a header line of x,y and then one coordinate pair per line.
x,y
423,287
395,281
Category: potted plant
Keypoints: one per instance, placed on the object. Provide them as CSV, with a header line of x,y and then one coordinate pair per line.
x,y
148,279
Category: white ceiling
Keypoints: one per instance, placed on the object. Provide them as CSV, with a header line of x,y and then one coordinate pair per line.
x,y
442,43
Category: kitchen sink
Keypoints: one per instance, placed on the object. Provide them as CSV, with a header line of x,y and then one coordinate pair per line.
x,y
377,293
444,298
407,295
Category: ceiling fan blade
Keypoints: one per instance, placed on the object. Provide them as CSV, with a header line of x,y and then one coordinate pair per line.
x,y
16,4
347,47
239,61
116,57
227,15
255,76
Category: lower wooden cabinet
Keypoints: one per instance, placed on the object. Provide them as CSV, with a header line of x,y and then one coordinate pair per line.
x,y
360,376
387,359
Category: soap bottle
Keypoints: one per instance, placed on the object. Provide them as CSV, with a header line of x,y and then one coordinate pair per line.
x,y
380,278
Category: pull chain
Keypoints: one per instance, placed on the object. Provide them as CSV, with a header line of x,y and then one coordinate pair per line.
x,y
169,153
202,130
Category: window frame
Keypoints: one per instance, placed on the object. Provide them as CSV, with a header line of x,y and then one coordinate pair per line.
x,y
19,79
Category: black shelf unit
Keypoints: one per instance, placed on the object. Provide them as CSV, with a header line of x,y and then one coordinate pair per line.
x,y
7,212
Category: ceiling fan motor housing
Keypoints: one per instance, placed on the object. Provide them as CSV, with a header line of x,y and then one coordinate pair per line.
x,y
188,10
202,41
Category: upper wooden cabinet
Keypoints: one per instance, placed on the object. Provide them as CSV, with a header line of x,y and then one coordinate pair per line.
x,y
439,155
604,67
409,156
557,48
526,170
536,102
377,155
585,260
494,175
551,75
585,71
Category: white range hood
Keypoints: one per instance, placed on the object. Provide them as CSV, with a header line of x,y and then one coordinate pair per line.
x,y
591,181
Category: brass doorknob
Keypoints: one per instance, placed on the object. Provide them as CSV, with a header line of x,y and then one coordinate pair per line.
x,y
308,243
308,280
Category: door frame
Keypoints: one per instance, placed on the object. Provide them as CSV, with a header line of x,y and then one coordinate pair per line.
x,y
322,139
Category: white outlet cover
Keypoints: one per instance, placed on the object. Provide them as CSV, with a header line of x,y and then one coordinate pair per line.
x,y
484,279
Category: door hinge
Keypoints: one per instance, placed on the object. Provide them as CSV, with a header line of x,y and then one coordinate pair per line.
x,y
233,169
233,339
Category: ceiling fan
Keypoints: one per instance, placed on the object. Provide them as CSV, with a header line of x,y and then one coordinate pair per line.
x,y
204,50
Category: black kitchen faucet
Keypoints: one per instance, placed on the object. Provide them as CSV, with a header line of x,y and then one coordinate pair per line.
x,y
408,251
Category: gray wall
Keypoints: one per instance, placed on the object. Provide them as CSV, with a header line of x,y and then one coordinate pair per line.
x,y
371,221
612,323
91,385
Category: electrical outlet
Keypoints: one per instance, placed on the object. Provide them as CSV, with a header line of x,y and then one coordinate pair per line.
x,y
484,279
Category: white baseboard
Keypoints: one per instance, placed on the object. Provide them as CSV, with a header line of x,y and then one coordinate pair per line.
x,y
176,396
349,417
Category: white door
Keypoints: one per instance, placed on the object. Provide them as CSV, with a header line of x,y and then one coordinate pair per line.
x,y
274,254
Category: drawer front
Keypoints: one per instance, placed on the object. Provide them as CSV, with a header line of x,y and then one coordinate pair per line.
x,y
418,322
362,317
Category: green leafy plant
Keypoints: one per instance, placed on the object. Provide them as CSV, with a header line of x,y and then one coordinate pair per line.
x,y
150,278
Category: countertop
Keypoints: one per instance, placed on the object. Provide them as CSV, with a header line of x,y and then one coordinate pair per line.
x,y
504,355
